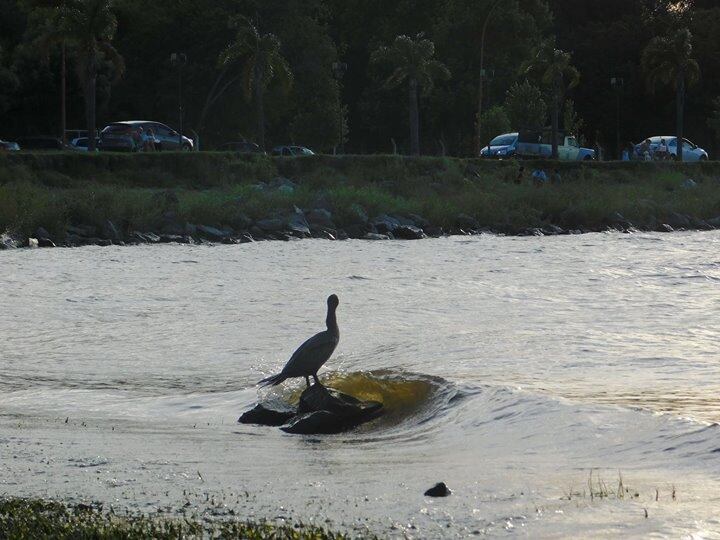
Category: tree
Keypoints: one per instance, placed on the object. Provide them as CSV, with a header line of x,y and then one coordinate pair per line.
x,y
572,123
668,61
495,122
413,62
525,106
8,84
713,121
86,28
555,71
262,63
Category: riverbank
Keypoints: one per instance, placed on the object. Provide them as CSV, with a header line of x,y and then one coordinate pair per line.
x,y
75,199
36,518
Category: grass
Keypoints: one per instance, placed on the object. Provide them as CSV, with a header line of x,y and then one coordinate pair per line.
x,y
53,190
22,519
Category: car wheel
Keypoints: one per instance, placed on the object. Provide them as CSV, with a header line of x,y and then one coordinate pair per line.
x,y
703,158
186,148
587,158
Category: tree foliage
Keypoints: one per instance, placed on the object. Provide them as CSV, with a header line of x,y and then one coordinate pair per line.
x,y
525,106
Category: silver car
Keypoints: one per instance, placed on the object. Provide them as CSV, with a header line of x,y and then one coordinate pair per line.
x,y
691,152
130,136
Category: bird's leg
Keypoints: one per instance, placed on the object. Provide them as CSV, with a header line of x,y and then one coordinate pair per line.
x,y
307,381
317,381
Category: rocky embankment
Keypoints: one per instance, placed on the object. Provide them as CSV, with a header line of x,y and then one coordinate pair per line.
x,y
315,222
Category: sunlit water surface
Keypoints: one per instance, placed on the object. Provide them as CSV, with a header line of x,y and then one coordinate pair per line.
x,y
513,369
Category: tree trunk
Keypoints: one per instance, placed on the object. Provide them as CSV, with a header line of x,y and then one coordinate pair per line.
x,y
259,105
90,98
555,124
680,99
414,118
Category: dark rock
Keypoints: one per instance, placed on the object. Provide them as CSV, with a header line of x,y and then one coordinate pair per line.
x,y
700,224
357,215
172,228
714,222
466,223
191,229
419,221
376,236
269,413
103,242
297,223
679,221
665,228
173,238
152,238
88,231
433,232
41,232
325,410
212,233
319,217
271,225
74,240
46,243
109,230
553,230
357,230
408,232
385,224
246,238
340,234
438,490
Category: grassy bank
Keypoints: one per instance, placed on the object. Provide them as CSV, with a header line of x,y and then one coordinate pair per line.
x,y
54,190
29,519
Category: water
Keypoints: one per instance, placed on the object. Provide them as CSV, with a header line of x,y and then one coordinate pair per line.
x,y
511,368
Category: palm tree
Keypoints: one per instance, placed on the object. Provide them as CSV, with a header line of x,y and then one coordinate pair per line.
x,y
555,71
667,61
86,28
262,63
413,62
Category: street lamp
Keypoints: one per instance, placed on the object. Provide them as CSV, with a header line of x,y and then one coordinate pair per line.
x,y
339,69
617,84
179,60
478,135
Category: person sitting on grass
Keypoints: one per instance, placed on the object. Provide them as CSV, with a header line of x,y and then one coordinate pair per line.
x,y
520,175
539,177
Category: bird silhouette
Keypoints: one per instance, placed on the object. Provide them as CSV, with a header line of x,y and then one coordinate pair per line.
x,y
311,355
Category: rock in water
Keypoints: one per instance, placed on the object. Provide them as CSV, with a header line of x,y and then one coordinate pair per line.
x,y
270,413
438,490
325,410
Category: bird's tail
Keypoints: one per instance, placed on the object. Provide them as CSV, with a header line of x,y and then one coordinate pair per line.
x,y
273,381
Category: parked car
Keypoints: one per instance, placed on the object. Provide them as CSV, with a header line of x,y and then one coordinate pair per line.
x,y
81,144
502,146
40,143
128,136
71,134
691,152
8,146
292,151
538,144
242,147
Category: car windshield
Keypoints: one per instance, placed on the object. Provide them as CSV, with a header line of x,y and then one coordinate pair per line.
x,y
118,128
503,140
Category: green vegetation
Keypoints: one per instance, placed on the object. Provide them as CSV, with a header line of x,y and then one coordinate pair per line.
x,y
220,189
30,518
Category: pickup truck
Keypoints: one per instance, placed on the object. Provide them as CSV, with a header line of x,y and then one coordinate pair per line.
x,y
537,144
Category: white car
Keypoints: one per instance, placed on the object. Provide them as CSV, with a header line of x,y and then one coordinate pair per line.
x,y
9,146
81,144
691,152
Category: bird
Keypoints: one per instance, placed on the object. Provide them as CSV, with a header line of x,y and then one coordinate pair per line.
x,y
311,355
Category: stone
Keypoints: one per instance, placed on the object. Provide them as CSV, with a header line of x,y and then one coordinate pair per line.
x,y
665,228
438,490
385,224
408,232
173,238
679,221
433,232
376,236
553,230
319,217
714,222
271,225
111,231
46,243
297,223
152,238
41,232
212,233
88,231
33,243
191,229
466,223
357,215
274,412
419,221
314,423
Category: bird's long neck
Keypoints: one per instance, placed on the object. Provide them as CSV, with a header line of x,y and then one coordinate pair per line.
x,y
331,321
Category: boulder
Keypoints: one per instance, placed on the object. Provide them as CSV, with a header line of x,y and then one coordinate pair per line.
x,y
325,410
41,232
385,224
212,233
271,225
109,230
408,232
466,223
357,215
376,236
714,222
45,243
319,217
297,223
438,490
679,221
33,243
274,412
88,231
419,221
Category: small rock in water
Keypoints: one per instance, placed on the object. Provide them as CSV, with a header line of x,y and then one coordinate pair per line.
x,y
269,413
438,490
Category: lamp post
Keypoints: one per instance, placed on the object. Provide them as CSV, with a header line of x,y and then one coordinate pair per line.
x,y
179,60
339,69
617,84
478,135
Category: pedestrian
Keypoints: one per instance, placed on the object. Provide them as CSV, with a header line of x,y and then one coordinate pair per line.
x,y
539,177
556,178
520,175
645,150
626,154
149,141
662,150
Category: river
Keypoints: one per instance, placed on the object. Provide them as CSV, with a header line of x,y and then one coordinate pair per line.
x,y
532,375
